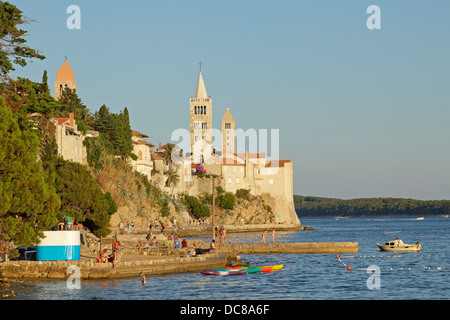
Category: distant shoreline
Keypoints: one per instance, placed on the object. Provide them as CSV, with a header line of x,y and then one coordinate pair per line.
x,y
307,206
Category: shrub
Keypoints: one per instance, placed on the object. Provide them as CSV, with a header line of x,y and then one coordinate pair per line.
x,y
226,201
195,207
243,193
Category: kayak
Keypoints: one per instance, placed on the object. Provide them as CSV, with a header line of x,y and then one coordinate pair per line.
x,y
263,268
222,272
246,270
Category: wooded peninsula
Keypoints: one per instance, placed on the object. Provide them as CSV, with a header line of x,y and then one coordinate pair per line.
x,y
307,206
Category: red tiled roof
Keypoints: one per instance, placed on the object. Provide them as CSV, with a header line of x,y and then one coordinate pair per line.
x,y
277,163
62,120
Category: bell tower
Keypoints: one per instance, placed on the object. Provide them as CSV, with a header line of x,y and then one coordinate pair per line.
x,y
200,122
65,78
228,127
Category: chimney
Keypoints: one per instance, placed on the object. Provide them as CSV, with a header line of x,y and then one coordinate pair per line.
x,y
71,119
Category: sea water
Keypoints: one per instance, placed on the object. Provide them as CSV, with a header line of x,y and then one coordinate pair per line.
x,y
373,274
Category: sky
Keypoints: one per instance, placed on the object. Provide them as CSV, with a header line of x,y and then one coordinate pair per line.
x,y
361,112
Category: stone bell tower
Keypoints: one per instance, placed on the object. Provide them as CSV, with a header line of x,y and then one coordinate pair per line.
x,y
65,78
200,122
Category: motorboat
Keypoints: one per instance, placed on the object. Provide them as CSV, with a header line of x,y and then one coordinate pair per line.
x,y
397,245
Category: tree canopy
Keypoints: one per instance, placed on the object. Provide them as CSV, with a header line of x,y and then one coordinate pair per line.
x,y
319,206
12,39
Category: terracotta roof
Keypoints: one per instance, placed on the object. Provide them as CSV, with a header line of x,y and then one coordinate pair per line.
x,y
139,134
143,142
62,120
65,72
162,147
157,156
251,155
277,163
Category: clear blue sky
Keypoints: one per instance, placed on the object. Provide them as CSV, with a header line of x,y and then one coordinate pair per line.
x,y
362,113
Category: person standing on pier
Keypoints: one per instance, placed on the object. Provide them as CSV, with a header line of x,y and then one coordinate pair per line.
x,y
263,240
273,235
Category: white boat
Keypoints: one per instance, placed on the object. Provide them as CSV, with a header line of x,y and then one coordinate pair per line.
x,y
420,218
397,245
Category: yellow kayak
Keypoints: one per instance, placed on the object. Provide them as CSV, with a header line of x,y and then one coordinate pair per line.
x,y
263,268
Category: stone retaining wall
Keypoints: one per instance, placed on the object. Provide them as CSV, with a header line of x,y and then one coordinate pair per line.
x,y
91,270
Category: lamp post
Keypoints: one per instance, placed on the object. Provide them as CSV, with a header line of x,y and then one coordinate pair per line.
x,y
213,208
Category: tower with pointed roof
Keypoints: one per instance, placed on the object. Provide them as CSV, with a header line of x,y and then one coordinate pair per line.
x,y
228,127
65,78
200,122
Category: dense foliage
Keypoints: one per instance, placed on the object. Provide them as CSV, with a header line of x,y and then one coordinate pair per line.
x,y
317,207
195,207
29,201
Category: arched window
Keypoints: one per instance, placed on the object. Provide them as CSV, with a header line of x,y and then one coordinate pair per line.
x,y
205,110
195,110
201,110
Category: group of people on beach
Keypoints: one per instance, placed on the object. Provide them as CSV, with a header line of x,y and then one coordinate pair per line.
x,y
105,257
263,240
221,234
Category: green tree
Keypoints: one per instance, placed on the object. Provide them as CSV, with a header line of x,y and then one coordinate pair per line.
x,y
81,198
12,39
28,201
167,156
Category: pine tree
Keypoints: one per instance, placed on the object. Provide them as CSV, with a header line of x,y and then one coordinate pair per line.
x,y
28,200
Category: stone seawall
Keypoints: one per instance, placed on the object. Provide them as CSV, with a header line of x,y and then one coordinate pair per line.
x,y
304,247
58,270
191,230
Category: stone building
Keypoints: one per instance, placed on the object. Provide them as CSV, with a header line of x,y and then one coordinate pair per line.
x,y
200,121
272,179
70,140
141,149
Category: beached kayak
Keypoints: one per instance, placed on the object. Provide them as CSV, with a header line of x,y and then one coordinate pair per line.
x,y
222,273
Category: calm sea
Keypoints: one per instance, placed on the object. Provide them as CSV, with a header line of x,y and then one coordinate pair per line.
x,y
401,276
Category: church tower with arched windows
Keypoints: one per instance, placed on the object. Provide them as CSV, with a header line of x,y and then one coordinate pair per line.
x,y
65,78
200,122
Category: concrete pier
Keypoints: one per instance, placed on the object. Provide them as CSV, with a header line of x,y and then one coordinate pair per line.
x,y
295,247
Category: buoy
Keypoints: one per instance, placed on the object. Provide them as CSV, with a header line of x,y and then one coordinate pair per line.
x,y
349,268
337,256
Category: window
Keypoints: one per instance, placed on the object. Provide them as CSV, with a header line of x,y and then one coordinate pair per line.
x,y
229,180
196,125
196,138
227,125
195,110
204,110
237,180
204,125
270,181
